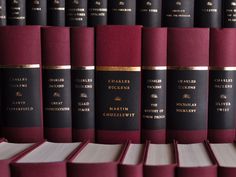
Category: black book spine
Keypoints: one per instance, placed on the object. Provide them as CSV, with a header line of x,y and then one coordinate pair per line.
x,y
3,13
56,13
97,12
36,12
76,12
229,14
208,13
16,12
178,13
149,13
121,12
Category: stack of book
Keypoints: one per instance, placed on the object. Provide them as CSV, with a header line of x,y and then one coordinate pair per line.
x,y
84,159
117,73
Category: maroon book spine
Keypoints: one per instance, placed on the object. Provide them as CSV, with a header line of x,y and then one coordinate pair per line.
x,y
167,170
154,61
41,169
21,84
83,91
104,169
203,171
57,83
132,170
187,84
118,83
5,163
222,86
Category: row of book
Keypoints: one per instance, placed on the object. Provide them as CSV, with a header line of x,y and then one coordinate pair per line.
x,y
149,13
119,160
156,83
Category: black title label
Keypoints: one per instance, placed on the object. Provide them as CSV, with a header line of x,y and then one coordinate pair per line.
x,y
57,98
179,13
208,13
118,100
16,12
56,12
122,12
37,12
222,99
3,12
83,93
97,12
22,99
229,9
76,13
187,99
154,99
149,13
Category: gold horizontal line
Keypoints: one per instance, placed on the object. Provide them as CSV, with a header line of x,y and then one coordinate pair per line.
x,y
21,66
57,67
188,68
222,68
58,8
117,68
154,67
83,68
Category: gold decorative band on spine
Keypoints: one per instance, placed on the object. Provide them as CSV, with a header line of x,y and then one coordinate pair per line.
x,y
200,68
58,8
21,66
154,68
117,68
83,68
57,67
222,68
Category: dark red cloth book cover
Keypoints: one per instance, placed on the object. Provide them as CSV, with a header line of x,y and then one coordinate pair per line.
x,y
118,83
20,51
132,170
222,92
105,169
43,169
160,170
83,90
224,171
154,62
57,83
5,164
203,171
187,84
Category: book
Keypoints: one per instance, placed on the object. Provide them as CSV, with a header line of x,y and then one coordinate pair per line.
x,y
187,84
208,13
76,12
9,152
118,84
21,83
16,12
36,13
98,160
56,12
97,12
154,66
121,12
3,13
195,160
160,160
229,13
225,154
222,86
48,159
149,13
57,84
131,163
83,84
178,13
